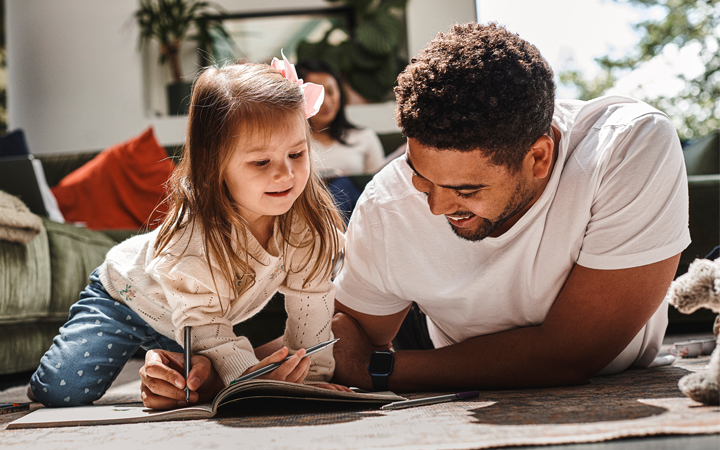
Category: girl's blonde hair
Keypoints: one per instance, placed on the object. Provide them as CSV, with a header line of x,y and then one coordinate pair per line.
x,y
230,105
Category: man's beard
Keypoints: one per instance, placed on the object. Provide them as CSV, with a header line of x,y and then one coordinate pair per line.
x,y
520,199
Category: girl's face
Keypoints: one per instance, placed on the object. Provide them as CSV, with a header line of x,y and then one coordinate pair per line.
x,y
331,103
267,173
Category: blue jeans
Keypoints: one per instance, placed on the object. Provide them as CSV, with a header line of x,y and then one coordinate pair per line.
x,y
99,337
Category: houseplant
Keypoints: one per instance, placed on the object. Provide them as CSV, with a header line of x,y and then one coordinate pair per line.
x,y
170,23
373,54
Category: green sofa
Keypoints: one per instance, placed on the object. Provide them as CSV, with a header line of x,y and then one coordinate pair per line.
x,y
39,281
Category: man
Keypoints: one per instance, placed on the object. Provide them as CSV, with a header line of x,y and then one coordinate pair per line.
x,y
538,237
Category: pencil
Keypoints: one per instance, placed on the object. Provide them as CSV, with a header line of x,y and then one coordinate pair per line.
x,y
188,347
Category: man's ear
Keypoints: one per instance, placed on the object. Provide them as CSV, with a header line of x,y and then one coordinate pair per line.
x,y
542,152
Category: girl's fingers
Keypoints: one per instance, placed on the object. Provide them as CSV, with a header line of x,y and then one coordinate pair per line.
x,y
162,388
157,366
300,371
275,357
286,368
154,401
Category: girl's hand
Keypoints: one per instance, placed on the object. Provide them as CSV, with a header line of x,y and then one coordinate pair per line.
x,y
293,370
163,381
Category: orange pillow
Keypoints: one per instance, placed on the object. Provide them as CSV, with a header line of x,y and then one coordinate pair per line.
x,y
119,188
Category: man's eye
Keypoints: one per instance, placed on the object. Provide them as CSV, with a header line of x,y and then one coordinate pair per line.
x,y
466,194
261,163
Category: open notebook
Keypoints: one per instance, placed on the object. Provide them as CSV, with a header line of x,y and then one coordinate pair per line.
x,y
229,399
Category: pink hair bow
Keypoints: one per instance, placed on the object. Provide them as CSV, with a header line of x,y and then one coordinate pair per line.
x,y
314,93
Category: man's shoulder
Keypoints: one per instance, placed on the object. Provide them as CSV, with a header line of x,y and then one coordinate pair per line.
x,y
606,112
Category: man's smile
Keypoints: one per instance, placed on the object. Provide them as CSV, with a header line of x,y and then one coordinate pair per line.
x,y
461,221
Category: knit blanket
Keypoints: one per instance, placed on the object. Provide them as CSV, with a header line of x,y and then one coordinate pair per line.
x,y
17,223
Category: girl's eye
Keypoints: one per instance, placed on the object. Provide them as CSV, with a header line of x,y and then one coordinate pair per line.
x,y
261,163
296,155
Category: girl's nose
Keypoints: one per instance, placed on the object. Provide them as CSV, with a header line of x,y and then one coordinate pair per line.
x,y
283,172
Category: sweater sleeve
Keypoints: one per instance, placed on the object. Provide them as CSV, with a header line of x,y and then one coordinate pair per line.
x,y
310,310
196,300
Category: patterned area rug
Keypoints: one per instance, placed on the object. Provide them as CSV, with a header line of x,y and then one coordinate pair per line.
x,y
632,404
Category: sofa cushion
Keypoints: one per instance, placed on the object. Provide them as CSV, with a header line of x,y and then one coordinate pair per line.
x,y
59,165
25,280
13,144
23,344
74,253
120,188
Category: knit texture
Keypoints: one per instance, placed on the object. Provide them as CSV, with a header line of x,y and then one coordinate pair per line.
x,y
177,289
17,223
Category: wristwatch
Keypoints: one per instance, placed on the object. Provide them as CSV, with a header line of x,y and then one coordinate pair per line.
x,y
380,368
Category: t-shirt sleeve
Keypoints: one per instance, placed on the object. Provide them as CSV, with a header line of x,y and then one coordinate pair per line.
x,y
363,283
640,212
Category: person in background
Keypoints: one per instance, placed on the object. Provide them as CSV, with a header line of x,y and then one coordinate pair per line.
x,y
341,147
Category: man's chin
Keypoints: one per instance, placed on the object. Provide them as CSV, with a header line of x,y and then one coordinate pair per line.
x,y
474,234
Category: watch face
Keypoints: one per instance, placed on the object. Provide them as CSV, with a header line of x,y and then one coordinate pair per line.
x,y
381,362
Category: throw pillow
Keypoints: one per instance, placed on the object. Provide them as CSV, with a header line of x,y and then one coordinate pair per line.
x,y
13,144
120,188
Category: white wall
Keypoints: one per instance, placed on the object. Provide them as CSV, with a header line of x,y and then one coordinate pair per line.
x,y
75,75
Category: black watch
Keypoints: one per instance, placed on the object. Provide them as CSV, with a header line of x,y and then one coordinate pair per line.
x,y
380,368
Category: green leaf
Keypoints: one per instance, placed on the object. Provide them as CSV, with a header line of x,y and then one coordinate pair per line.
x,y
376,85
362,59
380,36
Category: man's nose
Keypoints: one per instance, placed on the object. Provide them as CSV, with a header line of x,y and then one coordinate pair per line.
x,y
441,201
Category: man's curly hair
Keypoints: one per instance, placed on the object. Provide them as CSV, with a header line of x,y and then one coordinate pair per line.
x,y
477,87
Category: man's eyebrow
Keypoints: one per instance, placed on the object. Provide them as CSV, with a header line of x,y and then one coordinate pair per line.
x,y
263,147
458,187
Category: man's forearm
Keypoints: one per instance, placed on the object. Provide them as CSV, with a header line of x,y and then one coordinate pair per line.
x,y
513,359
524,357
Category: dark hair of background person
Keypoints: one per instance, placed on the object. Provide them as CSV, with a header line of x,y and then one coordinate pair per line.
x,y
477,87
340,124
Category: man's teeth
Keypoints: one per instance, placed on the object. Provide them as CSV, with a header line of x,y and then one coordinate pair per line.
x,y
458,218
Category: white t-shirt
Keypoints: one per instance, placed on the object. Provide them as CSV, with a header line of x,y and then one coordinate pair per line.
x,y
616,198
363,153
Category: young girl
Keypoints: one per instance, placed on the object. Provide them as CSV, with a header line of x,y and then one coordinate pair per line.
x,y
247,217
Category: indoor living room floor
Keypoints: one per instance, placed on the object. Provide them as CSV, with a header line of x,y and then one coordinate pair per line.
x,y
576,416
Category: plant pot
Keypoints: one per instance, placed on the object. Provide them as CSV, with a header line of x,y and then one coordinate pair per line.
x,y
178,96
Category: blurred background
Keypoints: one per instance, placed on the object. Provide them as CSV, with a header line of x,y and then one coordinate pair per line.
x,y
77,75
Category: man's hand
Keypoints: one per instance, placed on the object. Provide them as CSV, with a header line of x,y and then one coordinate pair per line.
x,y
163,383
352,352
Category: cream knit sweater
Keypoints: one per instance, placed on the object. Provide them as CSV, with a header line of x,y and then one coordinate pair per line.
x,y
176,289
